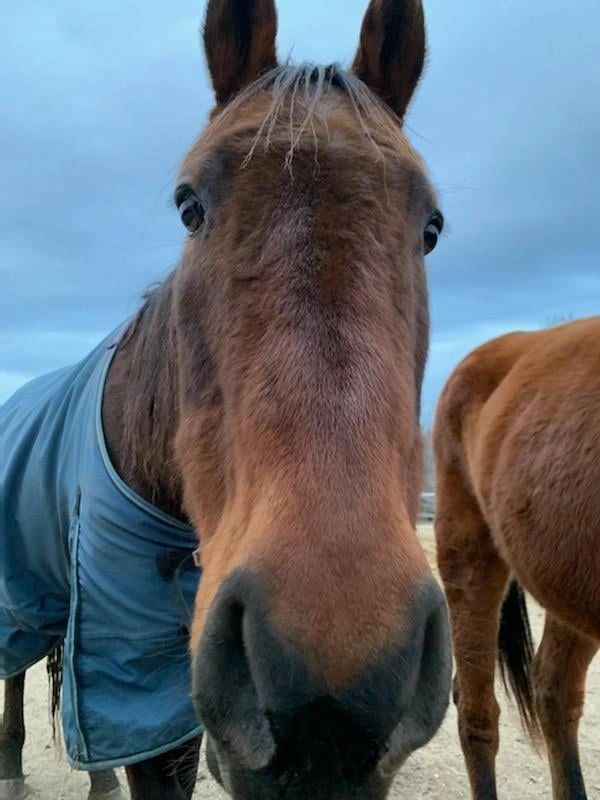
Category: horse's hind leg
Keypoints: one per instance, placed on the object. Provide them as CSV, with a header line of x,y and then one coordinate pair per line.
x,y
12,739
560,669
105,786
475,580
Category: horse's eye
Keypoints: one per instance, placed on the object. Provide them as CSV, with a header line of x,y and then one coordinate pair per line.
x,y
192,213
432,231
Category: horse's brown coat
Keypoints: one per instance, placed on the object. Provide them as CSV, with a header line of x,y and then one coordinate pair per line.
x,y
301,327
313,349
517,443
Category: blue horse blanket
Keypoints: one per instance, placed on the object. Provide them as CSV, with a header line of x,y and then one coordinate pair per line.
x,y
86,560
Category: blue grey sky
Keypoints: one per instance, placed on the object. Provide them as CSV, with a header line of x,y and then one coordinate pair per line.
x,y
101,100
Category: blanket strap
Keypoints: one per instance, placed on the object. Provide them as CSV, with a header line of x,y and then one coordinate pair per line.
x,y
172,562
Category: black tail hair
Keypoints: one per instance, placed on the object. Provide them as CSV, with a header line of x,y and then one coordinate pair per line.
x,y
54,667
515,657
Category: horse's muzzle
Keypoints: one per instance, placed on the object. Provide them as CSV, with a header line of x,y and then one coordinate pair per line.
x,y
274,729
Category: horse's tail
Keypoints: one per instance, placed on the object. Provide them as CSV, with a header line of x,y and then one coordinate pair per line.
x,y
515,656
54,667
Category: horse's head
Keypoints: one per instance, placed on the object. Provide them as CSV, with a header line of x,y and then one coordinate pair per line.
x,y
321,655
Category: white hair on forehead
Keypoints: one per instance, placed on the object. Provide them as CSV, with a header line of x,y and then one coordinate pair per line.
x,y
298,91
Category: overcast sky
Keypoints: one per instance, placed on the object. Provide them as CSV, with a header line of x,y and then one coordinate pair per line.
x,y
100,100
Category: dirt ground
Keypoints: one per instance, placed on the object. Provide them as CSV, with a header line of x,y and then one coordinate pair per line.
x,y
435,772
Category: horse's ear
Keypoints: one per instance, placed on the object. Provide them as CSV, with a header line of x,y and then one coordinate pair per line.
x,y
391,54
239,39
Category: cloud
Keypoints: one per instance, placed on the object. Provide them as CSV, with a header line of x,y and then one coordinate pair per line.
x,y
103,102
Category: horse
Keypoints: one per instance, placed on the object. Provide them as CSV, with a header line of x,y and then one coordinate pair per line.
x,y
267,396
517,447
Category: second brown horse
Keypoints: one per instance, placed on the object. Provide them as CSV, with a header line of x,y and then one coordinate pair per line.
x,y
517,444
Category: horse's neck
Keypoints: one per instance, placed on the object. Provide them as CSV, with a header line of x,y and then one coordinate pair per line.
x,y
139,415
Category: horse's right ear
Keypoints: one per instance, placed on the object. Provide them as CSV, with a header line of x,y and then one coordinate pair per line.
x,y
239,39
392,48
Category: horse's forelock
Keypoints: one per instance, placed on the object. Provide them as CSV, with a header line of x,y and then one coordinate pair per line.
x,y
297,92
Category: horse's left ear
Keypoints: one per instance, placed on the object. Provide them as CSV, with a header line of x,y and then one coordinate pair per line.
x,y
391,54
239,39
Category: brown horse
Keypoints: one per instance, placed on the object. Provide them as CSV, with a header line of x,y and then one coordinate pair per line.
x,y
517,443
269,392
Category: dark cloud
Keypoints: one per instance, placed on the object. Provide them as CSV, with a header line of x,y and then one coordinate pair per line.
x,y
102,102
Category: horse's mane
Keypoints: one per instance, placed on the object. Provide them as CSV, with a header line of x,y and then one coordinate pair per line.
x,y
150,409
150,413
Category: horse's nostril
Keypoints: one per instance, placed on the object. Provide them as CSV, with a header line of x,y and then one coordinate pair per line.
x,y
431,695
224,691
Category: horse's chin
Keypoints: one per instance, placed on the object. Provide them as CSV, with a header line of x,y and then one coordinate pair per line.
x,y
377,787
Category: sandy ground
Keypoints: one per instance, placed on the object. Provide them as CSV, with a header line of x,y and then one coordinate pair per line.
x,y
435,772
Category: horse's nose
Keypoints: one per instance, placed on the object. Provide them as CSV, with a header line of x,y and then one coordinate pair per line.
x,y
266,709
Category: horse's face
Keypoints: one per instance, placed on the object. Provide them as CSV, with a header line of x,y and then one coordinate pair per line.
x,y
321,656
